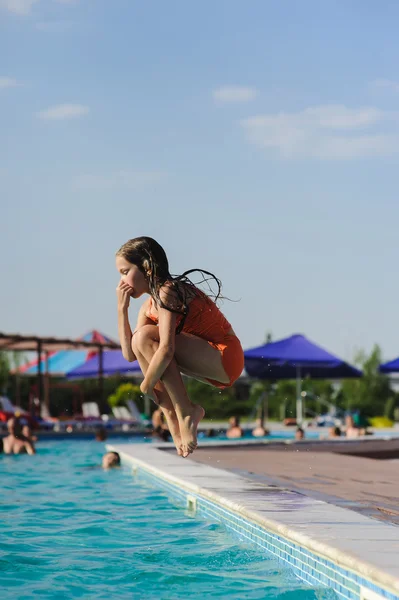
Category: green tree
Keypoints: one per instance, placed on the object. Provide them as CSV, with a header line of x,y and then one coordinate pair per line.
x,y
320,394
260,395
4,371
283,401
218,403
389,409
124,392
369,393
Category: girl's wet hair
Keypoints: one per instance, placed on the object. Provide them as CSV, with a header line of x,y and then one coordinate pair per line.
x,y
151,259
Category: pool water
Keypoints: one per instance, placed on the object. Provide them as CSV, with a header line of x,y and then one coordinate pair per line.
x,y
273,436
148,438
71,530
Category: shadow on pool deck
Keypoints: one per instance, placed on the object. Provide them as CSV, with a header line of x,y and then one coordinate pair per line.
x,y
361,484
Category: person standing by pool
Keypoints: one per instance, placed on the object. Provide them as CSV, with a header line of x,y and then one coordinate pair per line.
x,y
16,442
179,330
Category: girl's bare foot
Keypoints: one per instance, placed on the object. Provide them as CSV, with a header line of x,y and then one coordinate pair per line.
x,y
174,429
188,428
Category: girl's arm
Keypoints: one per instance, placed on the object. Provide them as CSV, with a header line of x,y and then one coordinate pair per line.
x,y
165,351
30,449
124,330
125,335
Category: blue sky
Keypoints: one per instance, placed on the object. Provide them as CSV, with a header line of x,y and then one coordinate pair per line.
x,y
256,139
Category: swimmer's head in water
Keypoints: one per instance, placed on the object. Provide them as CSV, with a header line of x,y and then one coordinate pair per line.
x,y
111,460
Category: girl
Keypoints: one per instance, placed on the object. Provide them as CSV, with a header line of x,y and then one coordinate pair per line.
x,y
179,330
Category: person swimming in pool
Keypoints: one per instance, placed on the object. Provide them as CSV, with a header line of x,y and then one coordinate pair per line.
x,y
27,433
235,430
111,460
16,442
179,330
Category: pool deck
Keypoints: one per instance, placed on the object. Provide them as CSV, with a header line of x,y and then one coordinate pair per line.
x,y
319,470
233,478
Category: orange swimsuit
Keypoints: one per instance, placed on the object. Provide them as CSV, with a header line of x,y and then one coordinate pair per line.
x,y
206,321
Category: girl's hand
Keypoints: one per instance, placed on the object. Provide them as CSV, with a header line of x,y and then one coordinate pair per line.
x,y
147,391
123,294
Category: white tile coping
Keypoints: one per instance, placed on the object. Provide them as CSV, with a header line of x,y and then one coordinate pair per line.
x,y
352,541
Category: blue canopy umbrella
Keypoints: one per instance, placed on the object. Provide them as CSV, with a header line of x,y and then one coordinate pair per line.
x,y
293,358
390,367
113,363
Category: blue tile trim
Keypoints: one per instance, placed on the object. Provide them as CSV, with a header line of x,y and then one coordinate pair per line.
x,y
307,566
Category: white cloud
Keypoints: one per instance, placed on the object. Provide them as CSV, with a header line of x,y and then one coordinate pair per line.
x,y
63,111
19,7
387,84
23,7
118,179
7,82
235,93
326,132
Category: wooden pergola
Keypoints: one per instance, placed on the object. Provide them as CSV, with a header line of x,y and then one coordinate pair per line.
x,y
44,345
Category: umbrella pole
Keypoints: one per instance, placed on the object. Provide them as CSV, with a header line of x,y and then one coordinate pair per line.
x,y
46,385
39,375
299,408
264,412
101,375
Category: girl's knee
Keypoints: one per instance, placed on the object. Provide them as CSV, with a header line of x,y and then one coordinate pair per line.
x,y
144,335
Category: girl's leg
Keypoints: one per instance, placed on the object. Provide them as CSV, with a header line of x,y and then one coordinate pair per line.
x,y
146,342
164,403
199,359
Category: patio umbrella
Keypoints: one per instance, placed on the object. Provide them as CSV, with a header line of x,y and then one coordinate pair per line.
x,y
390,367
113,364
296,357
59,363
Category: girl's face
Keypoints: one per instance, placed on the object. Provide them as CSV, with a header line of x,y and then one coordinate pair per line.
x,y
132,275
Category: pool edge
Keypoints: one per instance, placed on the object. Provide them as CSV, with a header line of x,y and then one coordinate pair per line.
x,y
161,465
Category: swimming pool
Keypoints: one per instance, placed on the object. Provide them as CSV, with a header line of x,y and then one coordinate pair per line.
x,y
71,530
139,437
